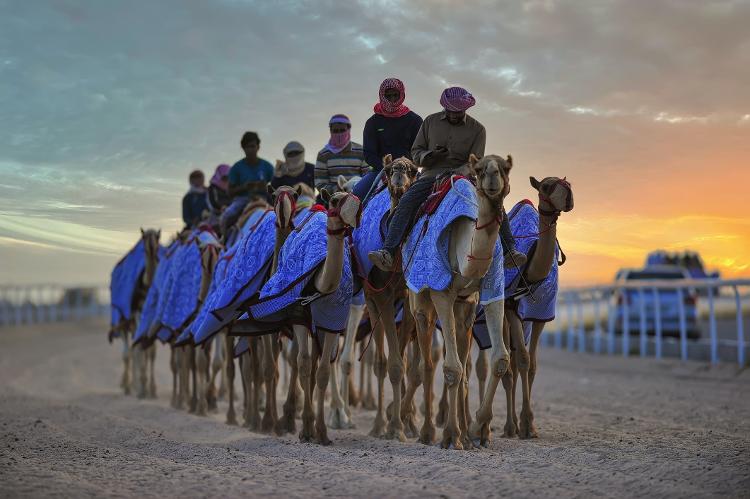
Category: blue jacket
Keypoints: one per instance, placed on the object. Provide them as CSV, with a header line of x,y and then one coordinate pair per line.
x,y
193,204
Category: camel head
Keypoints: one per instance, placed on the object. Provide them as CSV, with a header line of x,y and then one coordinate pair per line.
x,y
150,239
492,176
285,204
347,185
555,195
399,174
306,194
344,209
210,247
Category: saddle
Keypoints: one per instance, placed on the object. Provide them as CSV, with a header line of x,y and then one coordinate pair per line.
x,y
440,189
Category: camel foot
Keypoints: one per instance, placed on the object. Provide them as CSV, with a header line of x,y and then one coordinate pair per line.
x,y
252,422
526,427
480,434
368,403
378,428
410,426
510,430
307,433
427,434
395,432
286,423
201,410
501,365
441,415
231,419
353,397
268,424
321,434
451,439
339,419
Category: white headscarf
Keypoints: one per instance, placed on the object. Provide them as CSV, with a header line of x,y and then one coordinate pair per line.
x,y
291,166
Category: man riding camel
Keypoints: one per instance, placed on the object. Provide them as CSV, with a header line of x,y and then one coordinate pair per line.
x,y
391,130
340,156
443,145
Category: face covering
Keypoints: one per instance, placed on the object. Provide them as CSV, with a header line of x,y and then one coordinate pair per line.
x,y
295,165
339,141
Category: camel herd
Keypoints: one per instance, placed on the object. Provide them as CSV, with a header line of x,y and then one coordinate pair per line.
x,y
295,353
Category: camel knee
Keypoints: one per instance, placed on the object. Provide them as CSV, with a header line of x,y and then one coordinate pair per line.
x,y
453,374
523,361
380,366
304,364
323,375
395,371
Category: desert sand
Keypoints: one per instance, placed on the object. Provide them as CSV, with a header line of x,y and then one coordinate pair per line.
x,y
608,427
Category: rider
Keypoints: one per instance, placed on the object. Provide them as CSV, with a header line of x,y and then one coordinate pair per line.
x,y
391,130
248,179
293,170
194,201
443,145
340,156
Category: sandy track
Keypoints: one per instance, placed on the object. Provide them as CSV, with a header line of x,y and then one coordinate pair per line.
x,y
608,426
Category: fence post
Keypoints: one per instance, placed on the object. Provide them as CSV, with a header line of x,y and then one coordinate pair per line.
x,y
683,325
712,327
657,322
740,328
642,347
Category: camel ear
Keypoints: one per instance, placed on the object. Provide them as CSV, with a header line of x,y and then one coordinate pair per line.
x,y
158,234
535,183
270,189
298,190
325,195
473,160
387,159
509,160
143,232
341,182
413,169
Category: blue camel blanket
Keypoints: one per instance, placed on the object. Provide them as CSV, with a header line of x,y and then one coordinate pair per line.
x,y
182,302
124,280
539,305
425,253
148,312
369,236
303,252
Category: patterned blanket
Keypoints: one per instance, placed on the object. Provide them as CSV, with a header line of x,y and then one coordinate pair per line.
x,y
425,252
369,235
148,312
303,252
238,275
123,283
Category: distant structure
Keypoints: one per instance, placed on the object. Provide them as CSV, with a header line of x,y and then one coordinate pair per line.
x,y
689,260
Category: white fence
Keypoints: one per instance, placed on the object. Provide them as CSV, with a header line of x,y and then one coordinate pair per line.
x,y
591,320
586,317
32,304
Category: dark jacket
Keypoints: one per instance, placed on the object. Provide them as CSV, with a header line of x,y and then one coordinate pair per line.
x,y
193,204
393,136
217,198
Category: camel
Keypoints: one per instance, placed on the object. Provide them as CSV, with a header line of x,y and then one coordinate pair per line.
x,y
555,197
382,290
472,246
127,328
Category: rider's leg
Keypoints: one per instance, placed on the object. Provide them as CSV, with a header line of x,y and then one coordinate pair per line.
x,y
509,244
401,221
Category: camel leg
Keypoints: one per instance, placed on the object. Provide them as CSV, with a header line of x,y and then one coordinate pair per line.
x,y
220,363
140,371
201,388
480,430
414,380
215,367
246,371
184,368
395,364
424,318
330,342
339,412
453,369
536,333
526,421
464,312
173,365
379,368
347,360
254,360
481,371
229,359
368,367
126,358
287,424
192,356
304,365
270,376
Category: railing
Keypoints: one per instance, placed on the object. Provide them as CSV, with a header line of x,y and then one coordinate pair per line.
x,y
33,304
600,319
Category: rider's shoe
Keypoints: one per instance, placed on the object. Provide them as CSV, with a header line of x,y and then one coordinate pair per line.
x,y
515,258
382,259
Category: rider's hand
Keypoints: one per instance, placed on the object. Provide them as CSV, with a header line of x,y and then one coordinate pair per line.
x,y
440,152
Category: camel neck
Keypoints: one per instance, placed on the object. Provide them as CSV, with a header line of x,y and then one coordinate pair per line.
x,y
281,234
329,276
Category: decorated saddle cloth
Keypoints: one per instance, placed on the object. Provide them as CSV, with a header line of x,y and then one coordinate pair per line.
x,y
182,302
370,234
238,276
425,253
302,254
539,305
124,280
148,312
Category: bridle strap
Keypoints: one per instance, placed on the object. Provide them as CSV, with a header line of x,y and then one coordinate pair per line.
x,y
280,224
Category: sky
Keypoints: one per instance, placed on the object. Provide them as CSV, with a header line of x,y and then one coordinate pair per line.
x,y
106,106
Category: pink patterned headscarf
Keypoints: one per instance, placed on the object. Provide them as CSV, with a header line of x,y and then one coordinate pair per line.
x,y
391,109
456,99
221,177
339,141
